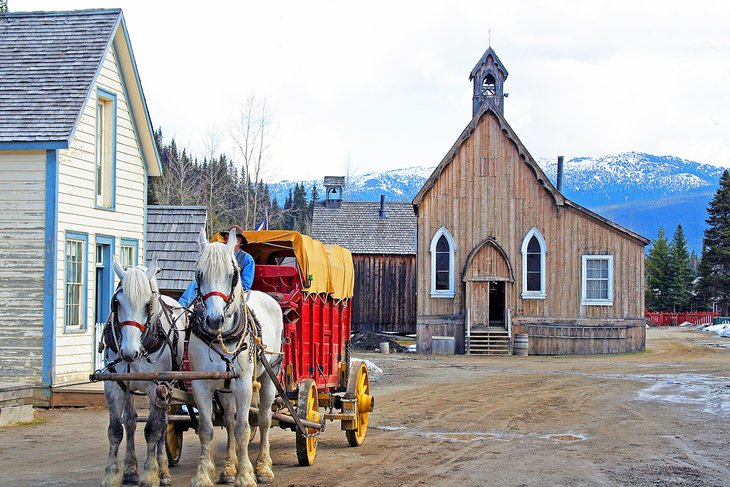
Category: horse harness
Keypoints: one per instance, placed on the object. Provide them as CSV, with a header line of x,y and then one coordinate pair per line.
x,y
154,338
245,331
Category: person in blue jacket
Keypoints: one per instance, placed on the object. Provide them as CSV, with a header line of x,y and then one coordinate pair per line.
x,y
245,263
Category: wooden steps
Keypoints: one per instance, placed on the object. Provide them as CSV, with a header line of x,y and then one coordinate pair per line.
x,y
488,341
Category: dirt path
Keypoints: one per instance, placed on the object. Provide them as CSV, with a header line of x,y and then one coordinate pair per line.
x,y
645,419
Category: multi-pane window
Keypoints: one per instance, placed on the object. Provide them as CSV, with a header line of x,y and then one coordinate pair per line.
x,y
105,153
126,256
597,279
533,265
74,283
442,265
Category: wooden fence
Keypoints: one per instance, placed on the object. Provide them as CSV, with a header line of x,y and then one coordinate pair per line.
x,y
673,319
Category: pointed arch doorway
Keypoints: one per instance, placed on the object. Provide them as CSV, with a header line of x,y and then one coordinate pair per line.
x,y
488,278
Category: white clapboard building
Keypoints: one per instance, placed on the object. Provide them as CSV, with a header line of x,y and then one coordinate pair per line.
x,y
76,149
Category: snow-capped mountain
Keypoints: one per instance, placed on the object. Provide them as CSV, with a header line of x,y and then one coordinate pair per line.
x,y
640,191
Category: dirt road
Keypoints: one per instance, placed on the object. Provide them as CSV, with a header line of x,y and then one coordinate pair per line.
x,y
647,419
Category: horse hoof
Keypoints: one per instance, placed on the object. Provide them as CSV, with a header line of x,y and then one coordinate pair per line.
x,y
165,481
264,479
130,478
226,478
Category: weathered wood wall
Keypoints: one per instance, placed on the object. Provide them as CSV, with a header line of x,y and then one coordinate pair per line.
x,y
22,247
581,337
489,190
77,212
385,293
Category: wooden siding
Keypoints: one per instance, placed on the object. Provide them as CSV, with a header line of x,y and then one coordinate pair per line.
x,y
489,191
77,212
385,293
583,337
22,259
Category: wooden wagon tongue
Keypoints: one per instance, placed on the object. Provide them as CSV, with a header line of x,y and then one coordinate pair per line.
x,y
163,376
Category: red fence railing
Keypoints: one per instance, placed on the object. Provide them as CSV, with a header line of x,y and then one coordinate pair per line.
x,y
673,319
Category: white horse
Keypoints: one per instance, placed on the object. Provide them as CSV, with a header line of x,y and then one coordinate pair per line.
x,y
220,342
141,338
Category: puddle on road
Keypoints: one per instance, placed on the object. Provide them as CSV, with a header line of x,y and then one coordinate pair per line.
x,y
483,436
711,393
389,428
566,437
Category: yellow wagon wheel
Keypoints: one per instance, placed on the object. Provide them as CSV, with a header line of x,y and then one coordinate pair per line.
x,y
358,386
307,408
173,444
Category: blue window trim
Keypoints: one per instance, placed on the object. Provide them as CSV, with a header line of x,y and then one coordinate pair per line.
x,y
131,242
50,310
111,96
139,141
85,288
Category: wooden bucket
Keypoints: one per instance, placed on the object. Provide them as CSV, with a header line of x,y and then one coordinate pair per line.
x,y
521,344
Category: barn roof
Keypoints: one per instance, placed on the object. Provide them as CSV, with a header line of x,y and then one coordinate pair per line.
x,y
559,199
172,237
49,63
357,226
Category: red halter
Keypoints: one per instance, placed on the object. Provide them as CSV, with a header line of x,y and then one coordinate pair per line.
x,y
141,327
225,297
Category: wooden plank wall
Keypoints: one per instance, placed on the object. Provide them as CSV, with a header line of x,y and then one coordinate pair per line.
x,y
22,259
385,293
582,339
488,190
77,213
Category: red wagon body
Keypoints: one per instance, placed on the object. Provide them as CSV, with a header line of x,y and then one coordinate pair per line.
x,y
316,328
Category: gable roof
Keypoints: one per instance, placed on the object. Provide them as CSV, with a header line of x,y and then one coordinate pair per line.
x,y
357,226
172,237
559,199
49,63
483,60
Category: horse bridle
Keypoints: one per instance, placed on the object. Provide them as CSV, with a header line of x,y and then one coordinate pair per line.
x,y
228,298
152,313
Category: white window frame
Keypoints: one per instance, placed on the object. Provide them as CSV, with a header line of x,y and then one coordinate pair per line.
x,y
597,302
105,149
541,293
442,293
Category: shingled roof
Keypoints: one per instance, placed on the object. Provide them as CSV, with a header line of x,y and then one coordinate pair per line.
x,y
172,237
357,226
48,62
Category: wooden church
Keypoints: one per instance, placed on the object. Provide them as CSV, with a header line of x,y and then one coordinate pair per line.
x,y
502,252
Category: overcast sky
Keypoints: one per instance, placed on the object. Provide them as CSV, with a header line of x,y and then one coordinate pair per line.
x,y
386,83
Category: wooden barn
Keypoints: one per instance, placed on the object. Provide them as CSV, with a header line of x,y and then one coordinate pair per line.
x,y
382,239
172,239
76,148
502,252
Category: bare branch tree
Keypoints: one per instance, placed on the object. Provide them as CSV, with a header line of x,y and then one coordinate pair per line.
x,y
250,134
350,169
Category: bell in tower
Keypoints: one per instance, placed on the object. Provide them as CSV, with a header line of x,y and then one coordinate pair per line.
x,y
488,77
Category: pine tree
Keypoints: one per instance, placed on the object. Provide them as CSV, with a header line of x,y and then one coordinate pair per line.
x,y
714,268
657,274
680,273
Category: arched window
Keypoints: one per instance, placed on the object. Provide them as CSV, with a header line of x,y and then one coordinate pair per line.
x,y
442,264
533,265
489,87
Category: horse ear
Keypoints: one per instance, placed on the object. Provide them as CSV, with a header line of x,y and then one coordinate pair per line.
x,y
202,241
152,269
232,239
118,269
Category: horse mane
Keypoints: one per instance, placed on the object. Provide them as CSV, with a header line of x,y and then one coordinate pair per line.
x,y
217,260
136,287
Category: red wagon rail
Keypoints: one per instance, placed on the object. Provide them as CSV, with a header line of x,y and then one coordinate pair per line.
x,y
662,318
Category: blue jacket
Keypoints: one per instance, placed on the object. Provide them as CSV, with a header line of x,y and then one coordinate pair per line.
x,y
248,267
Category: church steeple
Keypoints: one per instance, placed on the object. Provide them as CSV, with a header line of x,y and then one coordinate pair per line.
x,y
488,76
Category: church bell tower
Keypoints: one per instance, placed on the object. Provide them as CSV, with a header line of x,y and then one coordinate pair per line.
x,y
488,77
